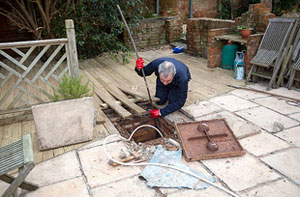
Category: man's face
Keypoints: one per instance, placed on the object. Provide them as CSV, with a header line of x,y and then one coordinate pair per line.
x,y
166,80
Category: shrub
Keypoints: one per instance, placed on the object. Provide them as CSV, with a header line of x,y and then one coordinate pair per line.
x,y
70,88
98,24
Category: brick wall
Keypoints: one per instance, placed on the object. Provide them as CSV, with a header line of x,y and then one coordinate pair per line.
x,y
198,33
201,8
155,32
257,17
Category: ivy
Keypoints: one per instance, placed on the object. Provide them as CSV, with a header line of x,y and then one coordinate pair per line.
x,y
98,24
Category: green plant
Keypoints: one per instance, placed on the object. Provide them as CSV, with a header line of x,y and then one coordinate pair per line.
x,y
70,88
98,24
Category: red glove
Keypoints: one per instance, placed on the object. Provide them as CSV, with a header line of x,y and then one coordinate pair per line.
x,y
155,113
139,63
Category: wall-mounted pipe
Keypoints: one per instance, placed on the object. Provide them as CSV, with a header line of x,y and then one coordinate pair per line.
x,y
157,7
191,9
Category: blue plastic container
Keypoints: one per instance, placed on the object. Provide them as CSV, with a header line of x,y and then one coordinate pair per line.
x,y
228,55
178,50
239,66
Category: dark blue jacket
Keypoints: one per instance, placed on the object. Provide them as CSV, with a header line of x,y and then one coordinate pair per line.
x,y
176,91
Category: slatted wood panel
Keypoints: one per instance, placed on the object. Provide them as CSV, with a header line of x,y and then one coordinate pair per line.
x,y
21,76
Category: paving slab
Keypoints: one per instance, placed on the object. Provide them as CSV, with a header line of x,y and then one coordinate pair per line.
x,y
58,169
257,144
291,135
295,116
286,162
279,91
178,117
265,118
132,186
4,186
200,109
74,187
280,188
98,171
278,104
64,123
232,103
208,192
240,173
247,94
240,127
195,165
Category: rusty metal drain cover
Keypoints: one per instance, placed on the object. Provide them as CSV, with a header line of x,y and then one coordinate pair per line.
x,y
194,141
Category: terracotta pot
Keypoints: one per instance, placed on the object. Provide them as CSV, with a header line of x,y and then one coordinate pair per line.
x,y
246,32
164,14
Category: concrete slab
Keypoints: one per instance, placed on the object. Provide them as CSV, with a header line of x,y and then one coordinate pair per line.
x,y
58,169
280,188
286,162
240,173
98,171
74,187
178,117
257,144
291,135
266,118
278,104
279,91
208,192
132,186
203,108
295,116
240,127
232,103
194,165
249,95
64,123
4,186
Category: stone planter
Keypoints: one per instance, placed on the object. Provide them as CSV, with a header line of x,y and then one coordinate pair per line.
x,y
64,123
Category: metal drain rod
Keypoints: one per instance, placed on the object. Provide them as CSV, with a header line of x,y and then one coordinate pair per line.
x,y
137,55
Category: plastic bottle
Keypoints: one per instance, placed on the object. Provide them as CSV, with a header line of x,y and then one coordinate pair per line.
x,y
239,66
228,55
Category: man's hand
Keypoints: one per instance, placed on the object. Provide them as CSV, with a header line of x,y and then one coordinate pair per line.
x,y
155,113
140,63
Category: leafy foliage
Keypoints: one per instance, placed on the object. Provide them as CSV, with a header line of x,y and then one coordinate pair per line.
x,y
282,6
70,88
98,24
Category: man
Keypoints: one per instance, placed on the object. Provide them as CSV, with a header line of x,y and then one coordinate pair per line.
x,y
171,83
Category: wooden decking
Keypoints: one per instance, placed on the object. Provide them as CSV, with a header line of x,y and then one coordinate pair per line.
x,y
206,83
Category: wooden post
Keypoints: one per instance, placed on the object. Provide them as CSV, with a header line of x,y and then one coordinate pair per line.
x,y
72,50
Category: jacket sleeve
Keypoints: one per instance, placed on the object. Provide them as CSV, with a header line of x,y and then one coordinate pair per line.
x,y
179,96
148,69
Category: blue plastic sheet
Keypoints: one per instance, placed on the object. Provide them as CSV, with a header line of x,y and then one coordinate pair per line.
x,y
157,176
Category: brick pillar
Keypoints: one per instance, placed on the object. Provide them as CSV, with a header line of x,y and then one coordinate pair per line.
x,y
215,47
173,29
253,42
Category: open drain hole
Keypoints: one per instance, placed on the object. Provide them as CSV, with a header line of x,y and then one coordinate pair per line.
x,y
145,134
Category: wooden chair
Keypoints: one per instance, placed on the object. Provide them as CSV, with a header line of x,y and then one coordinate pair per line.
x,y
271,49
17,155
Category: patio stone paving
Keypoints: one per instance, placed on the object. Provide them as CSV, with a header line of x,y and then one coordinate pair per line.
x,y
232,103
257,144
286,162
240,173
266,118
291,135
